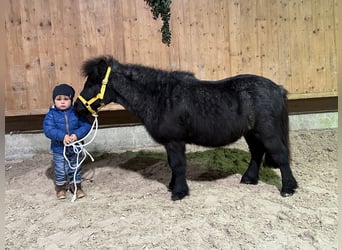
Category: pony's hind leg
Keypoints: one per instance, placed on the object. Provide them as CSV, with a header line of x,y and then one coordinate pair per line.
x,y
256,148
177,161
280,156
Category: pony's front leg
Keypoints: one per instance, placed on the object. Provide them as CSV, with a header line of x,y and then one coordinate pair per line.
x,y
177,161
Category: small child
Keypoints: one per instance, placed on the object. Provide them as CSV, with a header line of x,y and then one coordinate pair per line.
x,y
62,125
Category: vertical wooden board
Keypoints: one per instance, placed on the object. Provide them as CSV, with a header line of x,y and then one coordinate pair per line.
x,y
102,30
305,34
149,33
194,39
206,35
13,29
234,37
272,62
331,50
261,45
117,30
126,20
296,49
64,56
216,41
130,31
181,26
140,32
217,48
209,51
56,45
178,35
318,49
261,11
205,39
88,28
65,47
15,92
69,68
267,38
198,39
261,38
268,30
284,67
221,55
250,61
45,54
141,28
30,25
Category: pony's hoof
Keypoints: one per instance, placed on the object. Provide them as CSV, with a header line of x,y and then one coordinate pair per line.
x,y
289,189
178,196
287,193
248,180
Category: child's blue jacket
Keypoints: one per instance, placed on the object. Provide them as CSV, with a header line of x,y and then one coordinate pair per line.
x,y
58,123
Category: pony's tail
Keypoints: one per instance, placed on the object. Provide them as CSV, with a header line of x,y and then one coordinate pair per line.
x,y
268,161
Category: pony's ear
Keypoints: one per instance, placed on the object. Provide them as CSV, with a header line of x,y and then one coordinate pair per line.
x,y
101,68
96,67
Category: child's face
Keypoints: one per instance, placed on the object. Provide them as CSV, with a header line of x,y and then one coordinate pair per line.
x,y
62,102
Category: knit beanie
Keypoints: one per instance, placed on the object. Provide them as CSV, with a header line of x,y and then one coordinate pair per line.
x,y
63,89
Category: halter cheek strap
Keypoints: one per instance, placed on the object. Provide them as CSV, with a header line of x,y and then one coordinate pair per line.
x,y
99,96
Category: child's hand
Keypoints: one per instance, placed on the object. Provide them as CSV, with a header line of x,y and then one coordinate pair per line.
x,y
69,138
73,137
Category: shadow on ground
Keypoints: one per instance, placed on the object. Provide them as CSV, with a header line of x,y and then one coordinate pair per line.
x,y
206,165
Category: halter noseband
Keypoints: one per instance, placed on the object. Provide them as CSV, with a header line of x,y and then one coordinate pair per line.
x,y
99,96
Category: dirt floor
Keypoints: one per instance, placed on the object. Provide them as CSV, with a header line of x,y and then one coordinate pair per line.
x,y
128,208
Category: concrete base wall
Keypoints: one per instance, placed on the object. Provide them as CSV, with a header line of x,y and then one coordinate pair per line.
x,y
19,146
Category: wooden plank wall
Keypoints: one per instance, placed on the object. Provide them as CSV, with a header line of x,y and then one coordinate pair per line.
x,y
292,42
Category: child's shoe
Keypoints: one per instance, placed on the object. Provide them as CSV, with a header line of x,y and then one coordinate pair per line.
x,y
60,192
79,192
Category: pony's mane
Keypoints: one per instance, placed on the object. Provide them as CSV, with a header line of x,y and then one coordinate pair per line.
x,y
147,76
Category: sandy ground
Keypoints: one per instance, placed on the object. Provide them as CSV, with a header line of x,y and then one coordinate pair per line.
x,y
130,208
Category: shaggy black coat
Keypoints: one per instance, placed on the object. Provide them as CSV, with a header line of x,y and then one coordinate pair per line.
x,y
177,108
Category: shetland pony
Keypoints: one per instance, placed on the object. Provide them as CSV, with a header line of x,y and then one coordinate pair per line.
x,y
176,108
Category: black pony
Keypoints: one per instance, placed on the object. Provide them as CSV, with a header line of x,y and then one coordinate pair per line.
x,y
177,108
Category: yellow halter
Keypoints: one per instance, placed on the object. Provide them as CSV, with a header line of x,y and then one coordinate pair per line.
x,y
99,96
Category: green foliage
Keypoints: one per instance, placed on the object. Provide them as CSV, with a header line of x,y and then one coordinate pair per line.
x,y
161,8
232,161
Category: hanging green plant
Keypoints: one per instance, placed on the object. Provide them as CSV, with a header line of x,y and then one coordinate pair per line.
x,y
162,8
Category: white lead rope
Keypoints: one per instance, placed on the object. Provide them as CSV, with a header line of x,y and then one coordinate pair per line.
x,y
78,148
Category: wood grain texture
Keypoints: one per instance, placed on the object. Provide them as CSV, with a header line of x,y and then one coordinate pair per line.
x,y
291,42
